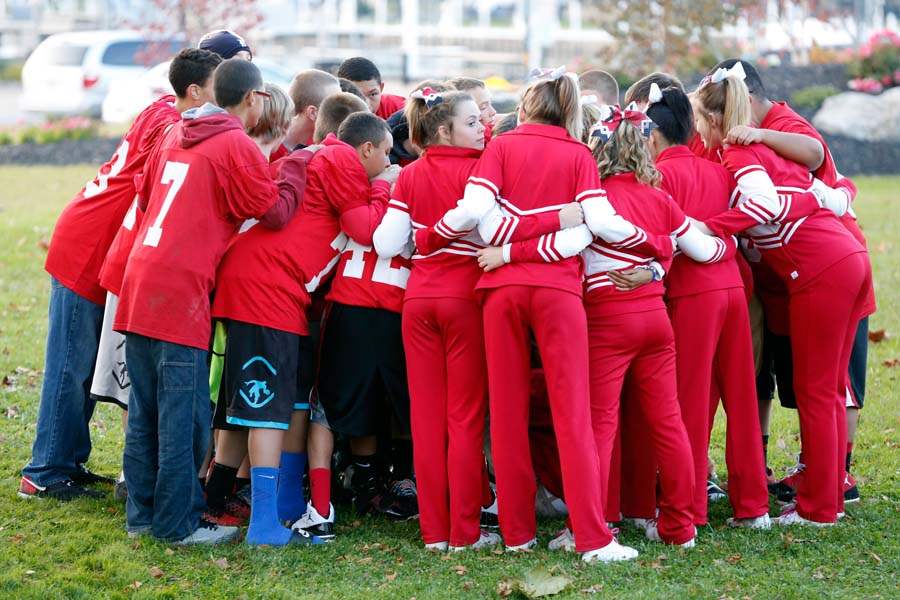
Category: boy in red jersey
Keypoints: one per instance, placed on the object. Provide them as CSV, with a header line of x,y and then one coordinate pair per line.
x,y
776,125
82,236
363,73
308,89
164,305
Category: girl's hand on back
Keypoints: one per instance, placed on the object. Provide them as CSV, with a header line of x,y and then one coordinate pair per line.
x,y
630,279
490,258
571,215
744,135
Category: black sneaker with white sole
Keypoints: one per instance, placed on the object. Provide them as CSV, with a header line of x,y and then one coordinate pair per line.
x,y
61,490
367,492
85,476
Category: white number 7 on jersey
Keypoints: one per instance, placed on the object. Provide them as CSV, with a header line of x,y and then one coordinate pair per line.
x,y
174,174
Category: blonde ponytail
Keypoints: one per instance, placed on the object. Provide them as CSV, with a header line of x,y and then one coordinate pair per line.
x,y
555,102
728,98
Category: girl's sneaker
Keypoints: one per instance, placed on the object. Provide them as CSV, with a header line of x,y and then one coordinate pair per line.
x,y
760,522
637,522
612,552
437,547
652,532
487,539
790,516
315,524
565,540
526,547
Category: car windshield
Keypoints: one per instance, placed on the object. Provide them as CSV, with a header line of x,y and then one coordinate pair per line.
x,y
139,53
62,54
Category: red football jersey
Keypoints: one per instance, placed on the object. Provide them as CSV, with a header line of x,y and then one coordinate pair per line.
x,y
782,118
702,189
113,270
653,211
266,277
389,105
362,278
203,180
796,250
427,189
88,224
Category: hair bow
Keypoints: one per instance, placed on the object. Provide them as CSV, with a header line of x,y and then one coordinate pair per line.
x,y
431,97
721,74
551,74
614,115
655,95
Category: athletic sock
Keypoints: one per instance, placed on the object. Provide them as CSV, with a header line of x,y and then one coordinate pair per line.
x,y
765,440
849,455
320,490
240,483
219,486
291,501
265,528
402,457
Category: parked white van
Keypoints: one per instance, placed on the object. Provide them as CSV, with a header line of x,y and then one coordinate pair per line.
x,y
70,73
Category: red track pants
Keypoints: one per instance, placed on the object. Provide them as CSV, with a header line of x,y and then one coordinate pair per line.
x,y
641,346
714,356
557,319
824,316
445,365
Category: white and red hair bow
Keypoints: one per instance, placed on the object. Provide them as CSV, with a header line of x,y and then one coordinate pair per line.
x,y
431,97
614,115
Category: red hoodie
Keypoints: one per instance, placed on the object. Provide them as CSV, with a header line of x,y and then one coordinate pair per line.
x,y
202,181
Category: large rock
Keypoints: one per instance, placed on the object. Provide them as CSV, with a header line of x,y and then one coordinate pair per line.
x,y
862,116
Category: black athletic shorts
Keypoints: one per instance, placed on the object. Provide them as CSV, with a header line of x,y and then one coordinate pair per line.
x,y
777,370
858,358
362,370
262,375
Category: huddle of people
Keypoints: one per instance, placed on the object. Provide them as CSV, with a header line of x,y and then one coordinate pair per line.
x,y
342,291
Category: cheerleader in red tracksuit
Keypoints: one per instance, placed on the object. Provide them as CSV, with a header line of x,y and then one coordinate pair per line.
x,y
442,329
533,170
629,330
708,308
825,271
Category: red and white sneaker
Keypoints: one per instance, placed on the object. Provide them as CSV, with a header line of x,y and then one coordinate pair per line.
x,y
790,516
61,490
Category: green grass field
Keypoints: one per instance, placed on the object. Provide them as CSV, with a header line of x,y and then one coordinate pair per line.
x,y
79,550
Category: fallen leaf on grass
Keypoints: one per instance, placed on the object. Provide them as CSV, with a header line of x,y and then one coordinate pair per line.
x,y
468,585
12,412
781,444
391,576
43,244
17,538
734,559
156,572
169,552
135,585
878,335
460,569
222,563
876,557
594,589
29,572
537,583
891,362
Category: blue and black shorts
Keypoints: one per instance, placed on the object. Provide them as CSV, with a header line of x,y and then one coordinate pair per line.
x,y
266,376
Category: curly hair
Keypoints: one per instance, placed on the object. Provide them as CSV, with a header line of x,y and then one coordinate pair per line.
x,y
625,152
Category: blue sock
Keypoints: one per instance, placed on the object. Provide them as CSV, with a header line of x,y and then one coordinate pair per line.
x,y
291,501
265,527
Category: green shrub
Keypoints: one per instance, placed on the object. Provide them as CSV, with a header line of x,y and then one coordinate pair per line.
x,y
812,97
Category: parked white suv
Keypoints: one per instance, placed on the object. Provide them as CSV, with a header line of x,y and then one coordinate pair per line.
x,y
70,73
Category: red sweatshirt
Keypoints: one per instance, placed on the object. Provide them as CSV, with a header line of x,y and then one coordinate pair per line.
x,y
89,223
427,189
205,178
266,277
702,189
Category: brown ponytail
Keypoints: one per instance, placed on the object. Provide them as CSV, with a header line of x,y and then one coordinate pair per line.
x,y
424,122
728,98
555,102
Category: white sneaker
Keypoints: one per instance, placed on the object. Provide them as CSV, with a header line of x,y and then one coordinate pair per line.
x,y
315,524
652,532
637,522
790,516
612,552
526,547
548,505
437,547
760,522
485,540
209,533
564,541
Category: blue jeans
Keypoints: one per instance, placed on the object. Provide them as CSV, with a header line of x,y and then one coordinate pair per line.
x,y
62,440
166,437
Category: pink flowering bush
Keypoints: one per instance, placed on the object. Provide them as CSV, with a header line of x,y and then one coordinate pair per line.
x,y
69,128
877,66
